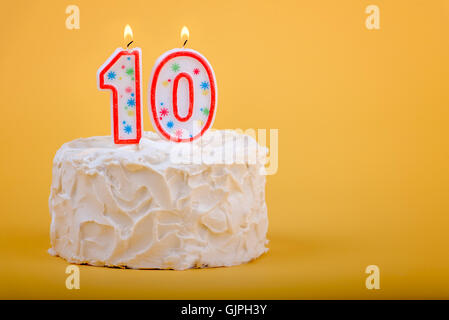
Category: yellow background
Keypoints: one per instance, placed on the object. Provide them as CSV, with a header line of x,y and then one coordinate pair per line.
x,y
363,139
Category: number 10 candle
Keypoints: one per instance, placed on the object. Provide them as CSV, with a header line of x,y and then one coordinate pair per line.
x,y
121,74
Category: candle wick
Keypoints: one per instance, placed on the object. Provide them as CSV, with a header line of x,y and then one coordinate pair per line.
x,y
129,43
185,42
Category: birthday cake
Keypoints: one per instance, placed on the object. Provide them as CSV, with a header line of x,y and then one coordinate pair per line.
x,y
159,204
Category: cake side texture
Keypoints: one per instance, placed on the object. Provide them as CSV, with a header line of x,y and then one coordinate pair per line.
x,y
159,204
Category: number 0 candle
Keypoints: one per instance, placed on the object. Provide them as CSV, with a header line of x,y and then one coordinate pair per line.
x,y
183,94
121,74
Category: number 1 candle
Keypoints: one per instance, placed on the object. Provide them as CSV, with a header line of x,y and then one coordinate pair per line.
x,y
183,94
121,74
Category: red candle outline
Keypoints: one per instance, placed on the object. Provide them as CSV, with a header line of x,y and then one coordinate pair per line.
x,y
102,85
175,96
153,93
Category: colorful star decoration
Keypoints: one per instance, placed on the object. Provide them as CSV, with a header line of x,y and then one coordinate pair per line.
x,y
205,111
130,71
127,128
204,85
178,133
175,67
131,102
164,112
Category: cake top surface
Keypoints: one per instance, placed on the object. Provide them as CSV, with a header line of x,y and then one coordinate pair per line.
x,y
214,147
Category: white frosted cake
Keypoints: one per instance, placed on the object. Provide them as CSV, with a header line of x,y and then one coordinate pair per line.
x,y
159,204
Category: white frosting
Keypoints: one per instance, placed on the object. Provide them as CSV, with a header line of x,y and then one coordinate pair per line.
x,y
133,206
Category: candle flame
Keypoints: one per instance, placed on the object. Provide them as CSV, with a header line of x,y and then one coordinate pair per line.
x,y
128,32
184,35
